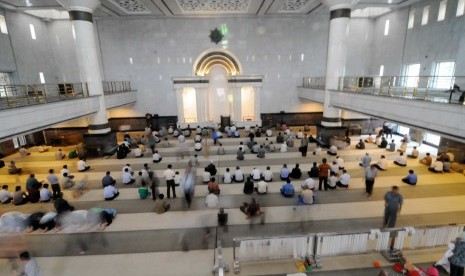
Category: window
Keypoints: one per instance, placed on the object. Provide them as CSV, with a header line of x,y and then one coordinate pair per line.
x,y
411,19
411,72
41,76
5,79
3,28
33,31
432,139
381,70
460,8
19,141
386,27
443,75
403,130
442,10
424,19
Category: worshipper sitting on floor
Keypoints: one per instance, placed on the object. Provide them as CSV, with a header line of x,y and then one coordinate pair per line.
x,y
403,146
306,195
143,191
122,151
227,177
279,138
197,138
82,166
5,196
59,155
198,146
284,174
437,167
267,175
360,145
187,131
211,201
138,153
213,187
332,181
139,179
369,139
220,150
365,160
206,176
314,171
382,164
236,134
335,167
427,160
414,153
166,143
107,180
261,187
384,143
12,169
66,181
20,197
251,209
283,148
446,165
296,173
340,162
401,160
23,152
211,168
110,192
45,194
300,134
128,177
287,190
177,179
269,133
310,182
255,148
344,180
411,178
238,175
261,152
42,149
290,142
248,186
332,150
256,174
161,205
272,147
156,157
61,205
65,170
392,146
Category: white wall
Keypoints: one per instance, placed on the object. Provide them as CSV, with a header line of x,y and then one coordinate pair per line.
x,y
361,38
7,61
165,48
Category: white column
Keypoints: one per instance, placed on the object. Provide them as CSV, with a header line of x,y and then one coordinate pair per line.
x,y
80,12
256,93
179,105
200,100
237,104
337,54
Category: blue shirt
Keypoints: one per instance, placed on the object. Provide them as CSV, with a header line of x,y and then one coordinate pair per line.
x,y
288,189
284,173
412,178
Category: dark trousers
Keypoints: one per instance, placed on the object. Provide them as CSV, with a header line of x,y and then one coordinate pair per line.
x,y
456,270
113,197
56,191
390,218
324,181
188,199
407,181
369,183
303,150
170,184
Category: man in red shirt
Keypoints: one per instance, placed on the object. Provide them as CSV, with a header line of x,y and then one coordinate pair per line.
x,y
323,174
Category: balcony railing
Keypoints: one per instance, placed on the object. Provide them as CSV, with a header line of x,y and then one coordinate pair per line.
x,y
18,95
428,88
110,87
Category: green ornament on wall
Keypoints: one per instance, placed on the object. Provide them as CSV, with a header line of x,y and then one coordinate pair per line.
x,y
216,36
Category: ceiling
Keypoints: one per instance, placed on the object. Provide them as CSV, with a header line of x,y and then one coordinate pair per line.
x,y
196,8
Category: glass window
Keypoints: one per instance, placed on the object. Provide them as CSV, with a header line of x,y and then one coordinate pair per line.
x,y
460,8
41,76
5,80
424,19
443,75
411,19
403,130
386,27
411,73
442,10
432,139
3,28
381,70
33,32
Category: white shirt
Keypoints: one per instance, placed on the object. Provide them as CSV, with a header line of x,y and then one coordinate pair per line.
x,y
5,195
181,138
307,196
45,194
333,149
81,165
109,191
177,179
211,201
340,162
401,160
31,268
283,148
63,171
262,187
383,163
256,174
137,152
156,157
198,146
227,178
335,168
318,151
238,175
145,174
127,177
415,152
332,181
206,176
233,128
345,179
310,183
169,174
241,147
268,175
438,166
300,135
127,167
269,133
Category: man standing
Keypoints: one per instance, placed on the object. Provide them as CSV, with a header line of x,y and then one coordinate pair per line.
x,y
370,175
323,172
169,177
393,205
304,145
